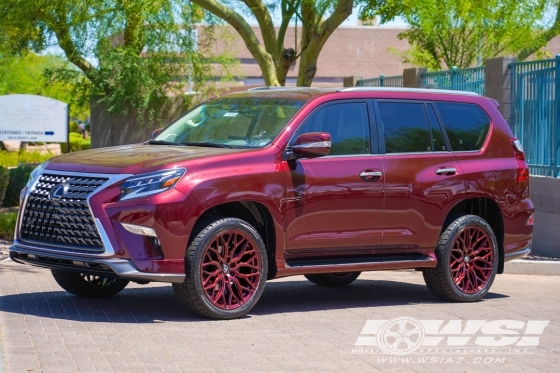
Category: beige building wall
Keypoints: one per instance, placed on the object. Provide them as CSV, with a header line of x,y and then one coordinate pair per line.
x,y
358,50
362,51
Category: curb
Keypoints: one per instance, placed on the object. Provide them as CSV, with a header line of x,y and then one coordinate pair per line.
x,y
533,267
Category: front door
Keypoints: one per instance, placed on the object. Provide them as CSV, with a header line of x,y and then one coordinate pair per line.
x,y
334,203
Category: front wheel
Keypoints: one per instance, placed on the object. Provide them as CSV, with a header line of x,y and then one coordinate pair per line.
x,y
467,255
88,286
226,268
333,279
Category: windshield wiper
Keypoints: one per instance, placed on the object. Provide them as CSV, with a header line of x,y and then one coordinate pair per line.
x,y
161,142
208,144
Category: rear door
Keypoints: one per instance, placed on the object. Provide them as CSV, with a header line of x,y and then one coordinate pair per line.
x,y
422,176
334,204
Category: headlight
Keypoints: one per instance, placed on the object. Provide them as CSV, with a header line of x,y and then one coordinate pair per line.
x,y
35,175
150,183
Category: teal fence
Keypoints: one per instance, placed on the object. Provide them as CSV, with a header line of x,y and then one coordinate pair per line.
x,y
470,79
535,113
382,81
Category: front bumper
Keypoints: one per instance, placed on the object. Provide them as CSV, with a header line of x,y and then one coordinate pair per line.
x,y
109,267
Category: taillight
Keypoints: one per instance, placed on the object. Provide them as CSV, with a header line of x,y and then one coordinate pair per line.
x,y
522,169
531,220
518,149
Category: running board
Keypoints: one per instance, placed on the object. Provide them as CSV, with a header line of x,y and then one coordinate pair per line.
x,y
379,263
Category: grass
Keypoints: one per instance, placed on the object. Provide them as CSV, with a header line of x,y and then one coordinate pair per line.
x,y
7,225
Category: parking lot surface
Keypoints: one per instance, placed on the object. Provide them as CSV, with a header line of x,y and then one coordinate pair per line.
x,y
296,326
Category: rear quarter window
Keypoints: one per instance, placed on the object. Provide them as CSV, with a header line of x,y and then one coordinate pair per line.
x,y
467,125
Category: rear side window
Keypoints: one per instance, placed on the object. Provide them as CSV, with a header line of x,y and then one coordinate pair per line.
x,y
405,127
467,125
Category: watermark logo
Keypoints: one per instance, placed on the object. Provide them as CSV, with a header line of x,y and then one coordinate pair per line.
x,y
401,336
407,335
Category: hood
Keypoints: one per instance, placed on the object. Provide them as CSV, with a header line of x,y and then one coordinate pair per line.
x,y
132,159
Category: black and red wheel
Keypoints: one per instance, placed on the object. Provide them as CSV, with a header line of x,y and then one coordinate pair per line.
x,y
333,279
467,254
226,268
88,286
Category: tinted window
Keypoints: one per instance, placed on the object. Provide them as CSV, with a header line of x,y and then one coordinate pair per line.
x,y
438,143
346,123
466,125
405,127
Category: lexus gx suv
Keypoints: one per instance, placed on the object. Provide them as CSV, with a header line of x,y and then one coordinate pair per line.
x,y
268,183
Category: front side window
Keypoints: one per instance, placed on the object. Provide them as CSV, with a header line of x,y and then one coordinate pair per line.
x,y
347,123
467,125
244,122
405,127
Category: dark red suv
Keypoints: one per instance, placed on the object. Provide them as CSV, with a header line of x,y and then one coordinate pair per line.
x,y
269,183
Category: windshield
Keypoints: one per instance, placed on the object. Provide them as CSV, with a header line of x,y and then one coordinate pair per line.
x,y
244,122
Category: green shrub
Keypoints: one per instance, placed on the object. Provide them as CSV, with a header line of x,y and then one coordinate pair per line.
x,y
17,180
4,178
77,143
12,159
8,159
86,144
8,225
73,126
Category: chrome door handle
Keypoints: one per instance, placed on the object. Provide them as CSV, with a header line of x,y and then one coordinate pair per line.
x,y
446,171
371,175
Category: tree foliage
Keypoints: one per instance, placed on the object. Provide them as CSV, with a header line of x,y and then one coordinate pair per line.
x,y
318,20
446,33
125,53
25,75
543,36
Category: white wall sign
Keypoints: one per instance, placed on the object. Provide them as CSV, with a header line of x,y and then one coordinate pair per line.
x,y
33,118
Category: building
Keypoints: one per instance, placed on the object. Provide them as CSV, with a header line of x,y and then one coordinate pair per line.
x,y
356,50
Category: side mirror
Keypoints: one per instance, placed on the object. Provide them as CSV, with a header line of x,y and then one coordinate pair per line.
x,y
312,144
156,132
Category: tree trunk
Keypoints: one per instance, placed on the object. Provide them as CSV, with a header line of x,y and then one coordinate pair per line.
x,y
308,66
283,66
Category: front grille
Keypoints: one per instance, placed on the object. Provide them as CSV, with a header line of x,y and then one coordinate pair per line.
x,y
65,223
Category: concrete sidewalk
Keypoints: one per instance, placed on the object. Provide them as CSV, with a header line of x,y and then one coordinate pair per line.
x,y
297,326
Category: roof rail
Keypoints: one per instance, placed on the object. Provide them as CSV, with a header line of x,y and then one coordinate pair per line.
x,y
275,88
407,90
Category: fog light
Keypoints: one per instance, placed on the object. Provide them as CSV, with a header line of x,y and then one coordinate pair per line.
x,y
139,229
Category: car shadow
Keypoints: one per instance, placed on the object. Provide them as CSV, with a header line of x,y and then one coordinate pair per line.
x,y
153,304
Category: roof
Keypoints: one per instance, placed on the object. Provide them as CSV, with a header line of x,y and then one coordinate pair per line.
x,y
306,93
295,93
407,90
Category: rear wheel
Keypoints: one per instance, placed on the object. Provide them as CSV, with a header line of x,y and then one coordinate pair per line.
x,y
467,254
333,279
226,268
88,285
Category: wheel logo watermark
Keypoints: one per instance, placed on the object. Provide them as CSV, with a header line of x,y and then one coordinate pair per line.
x,y
401,336
457,341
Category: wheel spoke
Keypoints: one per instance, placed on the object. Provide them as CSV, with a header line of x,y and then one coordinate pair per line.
x,y
230,270
471,259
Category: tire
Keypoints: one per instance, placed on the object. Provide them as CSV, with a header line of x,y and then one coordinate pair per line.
x,y
465,270
87,285
333,279
224,284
